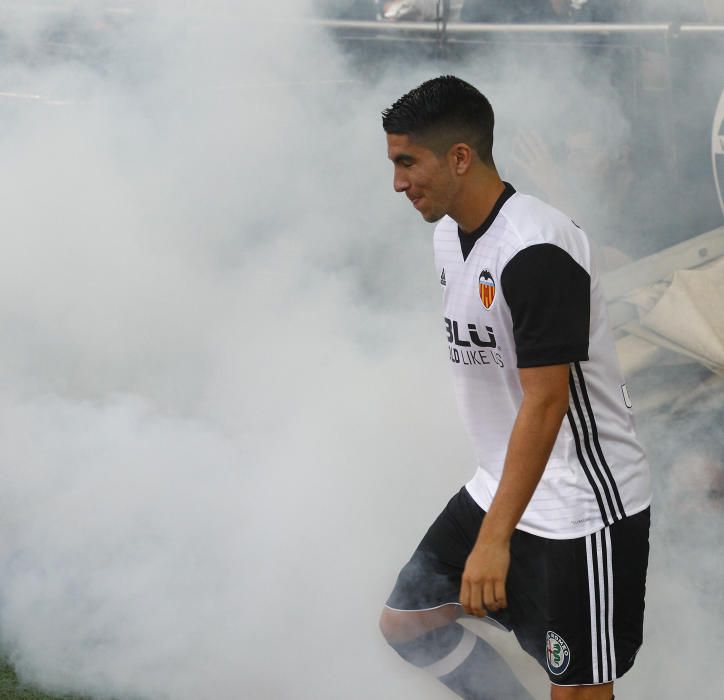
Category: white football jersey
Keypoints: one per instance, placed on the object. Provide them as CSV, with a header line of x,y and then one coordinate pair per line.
x,y
521,291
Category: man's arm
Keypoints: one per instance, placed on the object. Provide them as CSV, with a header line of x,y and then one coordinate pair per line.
x,y
545,402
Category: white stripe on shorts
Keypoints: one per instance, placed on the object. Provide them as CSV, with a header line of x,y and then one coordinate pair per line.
x,y
600,595
600,590
609,567
592,602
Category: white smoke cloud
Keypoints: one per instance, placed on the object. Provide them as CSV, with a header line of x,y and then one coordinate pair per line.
x,y
212,364
226,420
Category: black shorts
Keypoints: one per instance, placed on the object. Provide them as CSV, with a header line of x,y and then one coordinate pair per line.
x,y
576,606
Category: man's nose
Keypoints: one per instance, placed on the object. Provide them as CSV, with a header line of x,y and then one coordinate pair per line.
x,y
400,183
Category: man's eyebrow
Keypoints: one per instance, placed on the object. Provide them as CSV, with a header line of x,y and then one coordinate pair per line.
x,y
400,157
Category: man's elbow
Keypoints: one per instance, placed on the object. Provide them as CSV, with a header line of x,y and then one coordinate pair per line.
x,y
545,390
553,406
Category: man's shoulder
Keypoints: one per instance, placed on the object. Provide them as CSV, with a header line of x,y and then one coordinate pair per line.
x,y
530,214
536,222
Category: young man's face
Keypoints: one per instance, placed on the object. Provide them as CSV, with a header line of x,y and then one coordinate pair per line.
x,y
426,179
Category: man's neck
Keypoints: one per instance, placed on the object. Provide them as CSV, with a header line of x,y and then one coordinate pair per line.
x,y
477,200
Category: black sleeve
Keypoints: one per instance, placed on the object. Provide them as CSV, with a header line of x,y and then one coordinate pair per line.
x,y
549,295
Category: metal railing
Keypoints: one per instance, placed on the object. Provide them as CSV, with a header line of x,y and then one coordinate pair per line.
x,y
547,28
457,29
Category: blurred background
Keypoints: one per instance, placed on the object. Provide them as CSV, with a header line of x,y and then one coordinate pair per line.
x,y
226,418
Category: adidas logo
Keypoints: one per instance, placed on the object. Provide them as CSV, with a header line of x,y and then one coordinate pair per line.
x,y
442,278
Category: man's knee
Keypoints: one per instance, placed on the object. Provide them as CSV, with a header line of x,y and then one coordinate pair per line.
x,y
450,652
389,625
400,626
423,637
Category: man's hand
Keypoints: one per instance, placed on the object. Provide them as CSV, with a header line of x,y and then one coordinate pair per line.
x,y
483,583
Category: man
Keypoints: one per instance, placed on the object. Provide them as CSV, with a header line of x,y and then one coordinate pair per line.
x,y
550,536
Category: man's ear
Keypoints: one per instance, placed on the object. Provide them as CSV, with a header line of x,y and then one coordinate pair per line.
x,y
460,157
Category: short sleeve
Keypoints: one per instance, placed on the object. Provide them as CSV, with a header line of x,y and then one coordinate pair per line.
x,y
549,296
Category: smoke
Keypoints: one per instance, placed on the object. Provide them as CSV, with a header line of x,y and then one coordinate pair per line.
x,y
225,421
216,332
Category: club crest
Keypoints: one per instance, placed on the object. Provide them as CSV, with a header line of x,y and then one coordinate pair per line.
x,y
486,285
558,655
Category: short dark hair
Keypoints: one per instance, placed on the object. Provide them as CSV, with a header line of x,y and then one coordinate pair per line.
x,y
444,111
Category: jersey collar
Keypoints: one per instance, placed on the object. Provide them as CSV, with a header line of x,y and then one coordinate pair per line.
x,y
468,240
